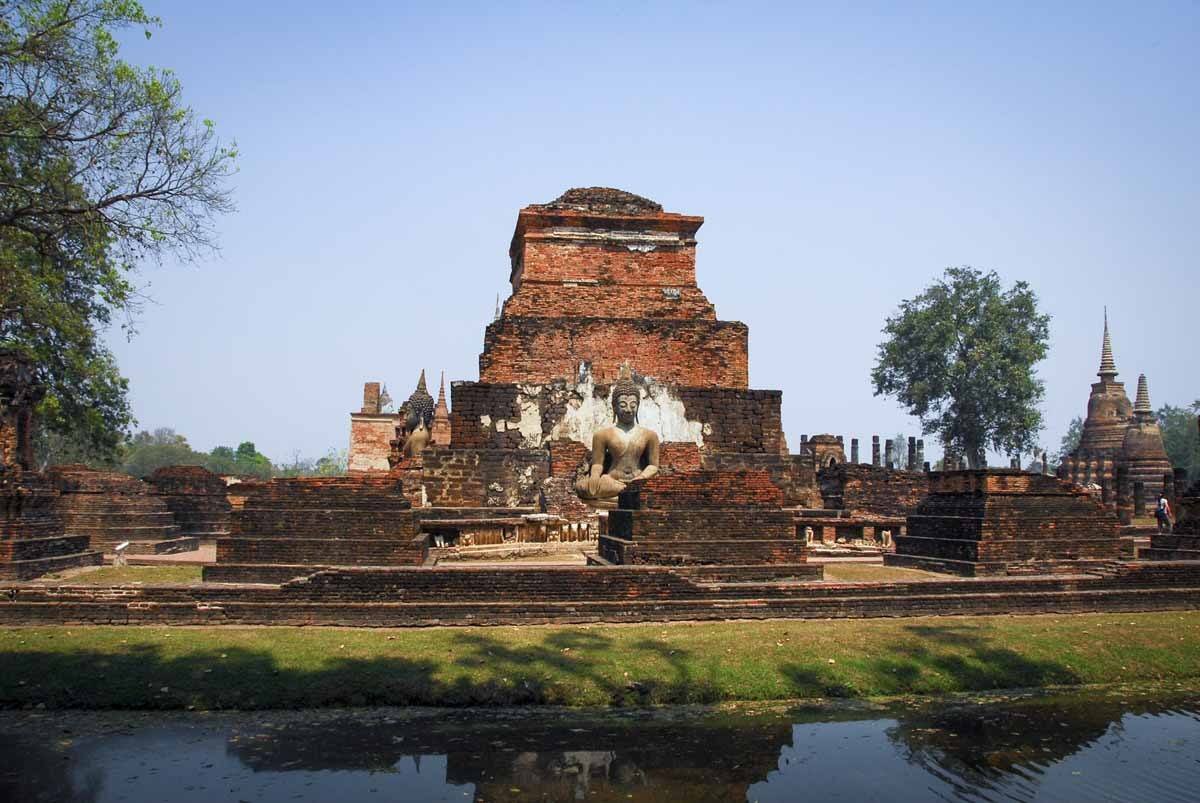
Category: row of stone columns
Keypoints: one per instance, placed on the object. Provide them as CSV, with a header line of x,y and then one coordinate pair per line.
x,y
916,453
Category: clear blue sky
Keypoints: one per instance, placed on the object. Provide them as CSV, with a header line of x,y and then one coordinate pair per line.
x,y
841,157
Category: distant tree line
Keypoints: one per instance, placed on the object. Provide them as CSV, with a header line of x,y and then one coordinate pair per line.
x,y
146,452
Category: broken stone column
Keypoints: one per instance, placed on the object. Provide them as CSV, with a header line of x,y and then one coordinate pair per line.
x,y
911,463
925,466
888,450
875,450
1124,496
1014,462
854,450
920,451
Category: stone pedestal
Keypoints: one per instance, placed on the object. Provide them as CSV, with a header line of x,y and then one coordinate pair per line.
x,y
988,522
286,526
721,524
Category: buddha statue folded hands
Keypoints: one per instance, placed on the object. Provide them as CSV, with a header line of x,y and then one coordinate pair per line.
x,y
621,453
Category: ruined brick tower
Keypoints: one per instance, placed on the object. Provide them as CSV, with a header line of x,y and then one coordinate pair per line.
x,y
1108,414
1118,437
600,276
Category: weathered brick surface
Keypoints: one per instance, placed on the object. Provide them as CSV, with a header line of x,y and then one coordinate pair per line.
x,y
707,524
371,435
694,353
196,498
401,596
110,507
473,401
325,521
601,284
484,477
538,299
32,529
551,258
793,475
702,518
997,521
558,497
736,419
872,490
568,459
702,490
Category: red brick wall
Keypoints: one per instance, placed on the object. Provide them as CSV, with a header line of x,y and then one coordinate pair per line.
x,y
370,442
692,353
550,259
543,300
871,490
483,477
793,475
688,490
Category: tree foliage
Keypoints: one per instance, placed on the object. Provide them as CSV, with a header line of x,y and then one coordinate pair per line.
x,y
244,461
147,452
101,165
960,358
1181,437
1070,441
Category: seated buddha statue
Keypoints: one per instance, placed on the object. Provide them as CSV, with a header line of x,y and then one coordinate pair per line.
x,y
621,453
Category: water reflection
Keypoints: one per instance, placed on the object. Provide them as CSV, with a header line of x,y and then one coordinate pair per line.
x,y
1064,748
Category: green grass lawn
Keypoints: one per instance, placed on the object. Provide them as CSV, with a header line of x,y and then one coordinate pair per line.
x,y
162,667
125,575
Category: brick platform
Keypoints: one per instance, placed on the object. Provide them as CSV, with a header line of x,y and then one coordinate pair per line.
x,y
997,521
196,497
399,597
110,508
32,531
322,521
706,518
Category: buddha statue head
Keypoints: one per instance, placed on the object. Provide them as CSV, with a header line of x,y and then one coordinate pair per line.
x,y
626,398
416,417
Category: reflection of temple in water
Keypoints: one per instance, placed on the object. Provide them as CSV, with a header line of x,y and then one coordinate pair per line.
x,y
546,758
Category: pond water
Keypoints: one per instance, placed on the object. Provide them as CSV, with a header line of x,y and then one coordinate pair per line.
x,y
1116,746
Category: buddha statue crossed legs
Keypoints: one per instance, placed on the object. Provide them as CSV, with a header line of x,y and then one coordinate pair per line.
x,y
620,453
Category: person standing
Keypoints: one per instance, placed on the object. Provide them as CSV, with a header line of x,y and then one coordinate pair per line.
x,y
1163,514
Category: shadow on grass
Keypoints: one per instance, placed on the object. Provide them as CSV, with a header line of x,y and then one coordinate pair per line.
x,y
933,659
564,668
457,668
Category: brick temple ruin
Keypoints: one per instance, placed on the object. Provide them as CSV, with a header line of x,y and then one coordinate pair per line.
x,y
1120,450
611,435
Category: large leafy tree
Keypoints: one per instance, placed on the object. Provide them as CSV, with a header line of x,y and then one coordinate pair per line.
x,y
101,166
960,357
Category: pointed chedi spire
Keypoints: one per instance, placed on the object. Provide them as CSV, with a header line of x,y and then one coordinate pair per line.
x,y
441,417
1142,403
1108,368
421,383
